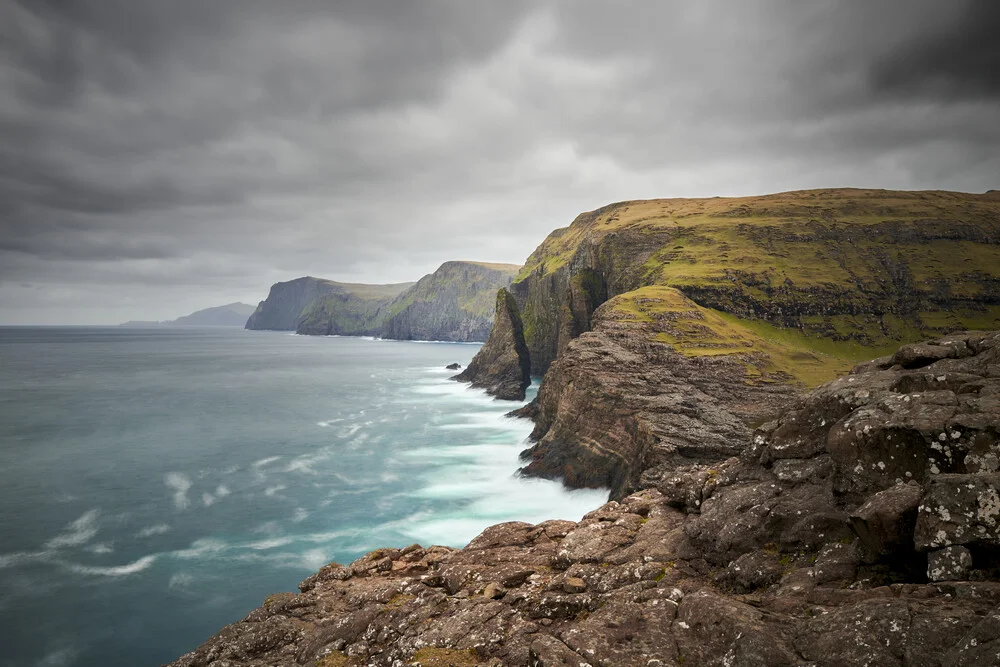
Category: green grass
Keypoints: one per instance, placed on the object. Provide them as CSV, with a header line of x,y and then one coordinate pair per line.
x,y
769,351
844,274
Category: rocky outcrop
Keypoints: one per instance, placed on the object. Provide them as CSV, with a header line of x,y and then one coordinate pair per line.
x,y
617,401
316,306
455,303
502,366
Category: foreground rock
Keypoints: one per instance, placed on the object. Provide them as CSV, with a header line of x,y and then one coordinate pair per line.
x,y
501,366
860,528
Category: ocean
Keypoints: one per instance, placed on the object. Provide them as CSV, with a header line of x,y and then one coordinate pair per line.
x,y
159,483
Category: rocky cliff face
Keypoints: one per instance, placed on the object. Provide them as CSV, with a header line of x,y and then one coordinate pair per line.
x,y
861,270
617,400
316,306
501,366
455,303
452,304
860,527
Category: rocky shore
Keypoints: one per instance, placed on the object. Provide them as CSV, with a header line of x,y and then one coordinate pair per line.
x,y
859,527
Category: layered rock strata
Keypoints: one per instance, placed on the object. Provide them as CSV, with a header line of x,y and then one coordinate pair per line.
x,y
618,402
860,527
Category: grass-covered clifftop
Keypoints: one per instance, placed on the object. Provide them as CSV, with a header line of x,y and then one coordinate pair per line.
x,y
834,274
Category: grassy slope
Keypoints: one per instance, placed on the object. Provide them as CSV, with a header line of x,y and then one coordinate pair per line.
x,y
352,307
795,246
451,276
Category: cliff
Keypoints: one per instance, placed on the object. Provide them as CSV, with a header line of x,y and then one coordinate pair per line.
x,y
455,303
860,527
452,304
501,366
855,271
317,306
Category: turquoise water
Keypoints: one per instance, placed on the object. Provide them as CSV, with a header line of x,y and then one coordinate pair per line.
x,y
156,484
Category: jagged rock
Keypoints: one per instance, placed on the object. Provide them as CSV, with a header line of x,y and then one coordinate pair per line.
x,y
453,367
617,404
949,564
502,366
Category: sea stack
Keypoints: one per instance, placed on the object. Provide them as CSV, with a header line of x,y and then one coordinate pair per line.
x,y
502,366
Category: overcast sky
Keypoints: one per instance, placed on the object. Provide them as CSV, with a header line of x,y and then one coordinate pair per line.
x,y
159,157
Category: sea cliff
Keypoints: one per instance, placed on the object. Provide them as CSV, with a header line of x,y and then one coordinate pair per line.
x,y
452,304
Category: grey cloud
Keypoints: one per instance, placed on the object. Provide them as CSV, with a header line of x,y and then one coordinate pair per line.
x,y
959,58
225,145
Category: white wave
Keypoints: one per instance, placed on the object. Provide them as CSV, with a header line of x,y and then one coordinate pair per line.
x,y
328,422
260,463
19,557
114,570
201,547
156,529
314,559
100,548
63,656
300,515
77,533
270,544
180,580
180,484
207,499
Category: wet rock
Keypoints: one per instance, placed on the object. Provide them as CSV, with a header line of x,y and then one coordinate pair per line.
x,y
453,367
949,564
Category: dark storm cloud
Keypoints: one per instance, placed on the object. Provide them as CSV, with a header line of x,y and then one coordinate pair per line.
x,y
961,57
152,147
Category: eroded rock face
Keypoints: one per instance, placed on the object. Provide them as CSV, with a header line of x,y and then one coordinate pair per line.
x,y
799,550
617,404
502,366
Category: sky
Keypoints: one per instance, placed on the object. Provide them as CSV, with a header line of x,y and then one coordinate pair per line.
x,y
161,157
